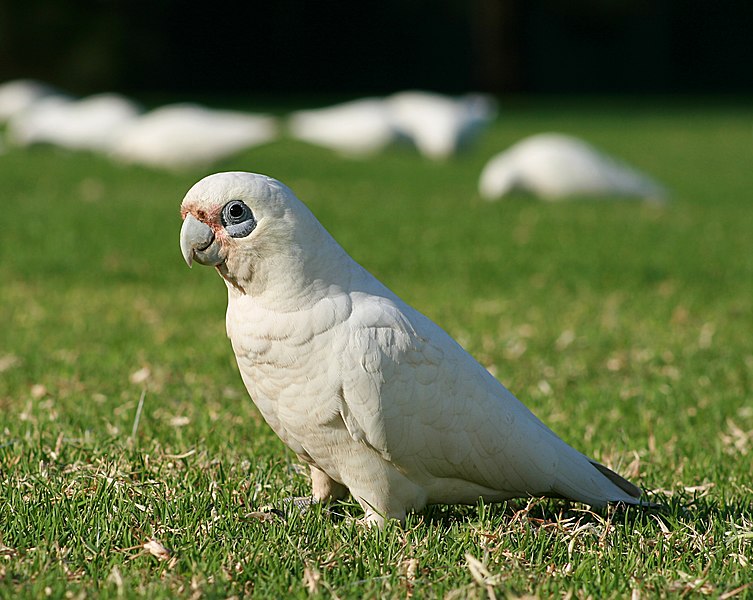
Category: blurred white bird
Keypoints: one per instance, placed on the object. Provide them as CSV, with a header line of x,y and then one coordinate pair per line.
x,y
554,166
179,136
88,124
19,94
358,128
374,396
439,125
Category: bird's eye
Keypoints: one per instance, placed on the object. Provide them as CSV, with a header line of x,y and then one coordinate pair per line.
x,y
238,219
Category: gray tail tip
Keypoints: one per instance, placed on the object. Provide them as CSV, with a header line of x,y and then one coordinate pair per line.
x,y
633,491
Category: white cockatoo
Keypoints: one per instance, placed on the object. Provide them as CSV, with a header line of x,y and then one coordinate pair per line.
x,y
357,128
554,166
375,397
90,123
439,125
19,94
179,136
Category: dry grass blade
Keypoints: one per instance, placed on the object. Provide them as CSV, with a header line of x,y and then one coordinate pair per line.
x,y
481,575
409,568
155,548
735,592
116,579
263,516
311,579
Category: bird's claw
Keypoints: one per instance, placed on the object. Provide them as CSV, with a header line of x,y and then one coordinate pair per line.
x,y
301,503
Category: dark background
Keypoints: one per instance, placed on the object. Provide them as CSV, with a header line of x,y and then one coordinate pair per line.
x,y
355,47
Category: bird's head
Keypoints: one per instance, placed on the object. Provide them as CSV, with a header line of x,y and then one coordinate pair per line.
x,y
252,228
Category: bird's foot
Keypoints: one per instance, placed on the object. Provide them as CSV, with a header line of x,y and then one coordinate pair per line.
x,y
301,503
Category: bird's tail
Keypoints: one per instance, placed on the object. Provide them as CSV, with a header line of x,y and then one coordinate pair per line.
x,y
633,491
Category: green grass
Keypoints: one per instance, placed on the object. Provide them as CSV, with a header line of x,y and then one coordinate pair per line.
x,y
627,328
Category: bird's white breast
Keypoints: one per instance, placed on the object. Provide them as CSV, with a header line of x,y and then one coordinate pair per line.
x,y
284,361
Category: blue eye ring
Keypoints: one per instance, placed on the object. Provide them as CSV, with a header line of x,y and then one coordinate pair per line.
x,y
237,219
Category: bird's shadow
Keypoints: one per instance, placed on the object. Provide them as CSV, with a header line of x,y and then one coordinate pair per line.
x,y
665,512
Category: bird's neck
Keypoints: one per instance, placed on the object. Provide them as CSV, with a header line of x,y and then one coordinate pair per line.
x,y
294,280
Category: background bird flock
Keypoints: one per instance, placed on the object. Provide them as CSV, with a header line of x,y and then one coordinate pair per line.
x,y
188,135
133,464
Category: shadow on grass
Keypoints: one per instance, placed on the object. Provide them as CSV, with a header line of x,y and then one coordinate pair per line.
x,y
672,511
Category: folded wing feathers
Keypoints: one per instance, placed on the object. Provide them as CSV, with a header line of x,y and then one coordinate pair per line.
x,y
430,408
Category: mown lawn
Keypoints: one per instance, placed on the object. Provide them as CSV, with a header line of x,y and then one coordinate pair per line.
x,y
628,328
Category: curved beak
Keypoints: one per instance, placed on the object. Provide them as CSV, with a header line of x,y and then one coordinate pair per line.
x,y
197,243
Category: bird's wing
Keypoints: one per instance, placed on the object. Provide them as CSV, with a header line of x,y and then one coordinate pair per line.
x,y
378,334
421,402
469,427
416,396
